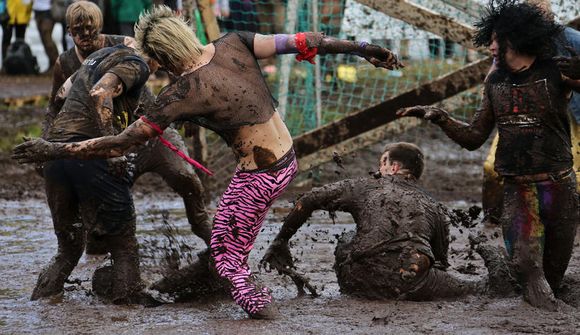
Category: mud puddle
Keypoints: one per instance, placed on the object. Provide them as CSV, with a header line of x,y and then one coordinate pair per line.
x,y
27,243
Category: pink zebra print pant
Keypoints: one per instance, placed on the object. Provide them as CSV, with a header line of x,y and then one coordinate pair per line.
x,y
238,220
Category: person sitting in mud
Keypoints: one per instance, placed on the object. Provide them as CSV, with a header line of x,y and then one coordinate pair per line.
x,y
85,21
220,86
110,81
399,248
527,98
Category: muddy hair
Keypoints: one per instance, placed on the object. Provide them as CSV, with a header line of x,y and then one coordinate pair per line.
x,y
408,155
167,38
82,12
526,28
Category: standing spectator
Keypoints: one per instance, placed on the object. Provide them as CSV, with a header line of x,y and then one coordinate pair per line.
x,y
19,12
126,13
45,24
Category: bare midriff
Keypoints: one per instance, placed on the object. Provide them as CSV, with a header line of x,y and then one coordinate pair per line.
x,y
259,146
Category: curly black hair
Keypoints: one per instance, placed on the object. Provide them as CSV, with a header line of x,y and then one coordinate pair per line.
x,y
524,27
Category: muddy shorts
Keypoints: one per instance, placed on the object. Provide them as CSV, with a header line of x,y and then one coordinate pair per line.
x,y
108,197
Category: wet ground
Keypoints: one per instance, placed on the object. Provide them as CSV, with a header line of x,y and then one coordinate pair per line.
x,y
453,176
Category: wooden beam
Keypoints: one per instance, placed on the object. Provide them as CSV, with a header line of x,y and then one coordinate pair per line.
x,y
469,7
353,144
426,19
358,123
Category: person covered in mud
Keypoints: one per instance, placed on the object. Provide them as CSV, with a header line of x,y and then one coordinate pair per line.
x,y
527,98
568,60
85,21
220,86
399,248
109,81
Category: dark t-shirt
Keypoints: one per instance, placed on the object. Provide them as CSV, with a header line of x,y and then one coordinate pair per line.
x,y
530,109
69,63
223,95
77,119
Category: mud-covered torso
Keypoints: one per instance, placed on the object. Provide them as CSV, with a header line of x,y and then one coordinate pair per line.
x,y
78,118
227,93
393,210
530,109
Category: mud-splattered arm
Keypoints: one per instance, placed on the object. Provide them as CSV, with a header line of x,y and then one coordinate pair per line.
x,y
102,94
440,238
309,44
39,150
330,197
471,136
336,196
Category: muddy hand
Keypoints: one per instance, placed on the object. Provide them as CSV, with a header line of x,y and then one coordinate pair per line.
x,y
382,57
569,66
412,264
277,257
33,151
118,166
423,112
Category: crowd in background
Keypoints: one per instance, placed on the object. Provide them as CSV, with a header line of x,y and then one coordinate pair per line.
x,y
16,15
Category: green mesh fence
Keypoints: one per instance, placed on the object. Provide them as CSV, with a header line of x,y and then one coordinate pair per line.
x,y
343,84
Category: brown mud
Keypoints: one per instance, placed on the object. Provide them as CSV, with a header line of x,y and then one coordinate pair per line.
x,y
452,175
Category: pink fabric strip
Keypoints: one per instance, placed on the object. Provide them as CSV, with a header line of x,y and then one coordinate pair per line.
x,y
174,149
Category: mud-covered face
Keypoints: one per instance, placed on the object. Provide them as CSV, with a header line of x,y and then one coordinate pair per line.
x,y
86,37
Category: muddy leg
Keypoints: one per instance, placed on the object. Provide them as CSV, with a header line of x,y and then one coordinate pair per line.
x,y
69,232
189,187
560,216
180,176
501,281
193,281
438,284
126,274
524,233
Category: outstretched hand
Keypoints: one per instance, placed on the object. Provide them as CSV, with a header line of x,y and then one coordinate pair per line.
x,y
382,57
423,112
33,151
278,257
569,66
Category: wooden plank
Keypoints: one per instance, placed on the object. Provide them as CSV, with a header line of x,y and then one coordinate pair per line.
x,y
425,19
469,7
212,29
358,123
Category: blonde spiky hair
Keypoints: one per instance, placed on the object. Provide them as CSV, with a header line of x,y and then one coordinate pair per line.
x,y
167,38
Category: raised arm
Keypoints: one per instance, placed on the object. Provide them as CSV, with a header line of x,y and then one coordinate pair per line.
x,y
308,44
471,136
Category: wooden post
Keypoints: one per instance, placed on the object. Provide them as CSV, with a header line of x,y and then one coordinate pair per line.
x,y
317,75
209,20
286,62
